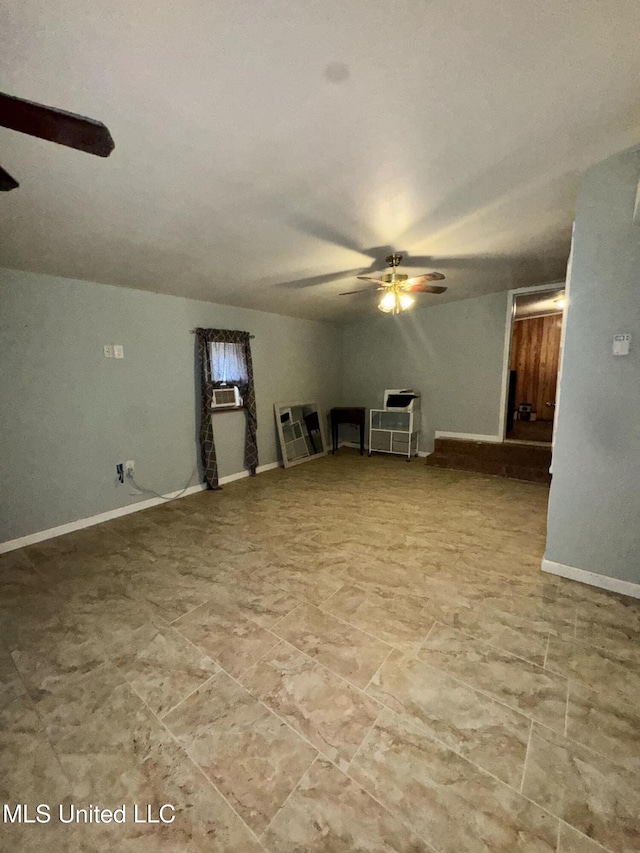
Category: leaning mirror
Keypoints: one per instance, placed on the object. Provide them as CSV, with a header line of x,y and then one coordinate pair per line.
x,y
301,432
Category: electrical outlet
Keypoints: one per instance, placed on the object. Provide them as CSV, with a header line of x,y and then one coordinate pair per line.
x,y
118,351
108,351
129,466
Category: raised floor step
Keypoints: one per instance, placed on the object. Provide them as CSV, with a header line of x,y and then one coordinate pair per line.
x,y
514,461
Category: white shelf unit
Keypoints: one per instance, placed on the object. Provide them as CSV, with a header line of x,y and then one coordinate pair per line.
x,y
394,432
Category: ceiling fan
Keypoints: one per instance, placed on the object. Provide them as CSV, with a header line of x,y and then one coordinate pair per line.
x,y
75,131
398,287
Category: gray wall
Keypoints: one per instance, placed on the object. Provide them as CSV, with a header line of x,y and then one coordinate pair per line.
x,y
451,353
68,414
594,509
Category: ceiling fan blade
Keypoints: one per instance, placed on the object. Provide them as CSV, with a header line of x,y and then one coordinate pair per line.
x,y
6,181
426,288
374,280
75,131
362,290
422,279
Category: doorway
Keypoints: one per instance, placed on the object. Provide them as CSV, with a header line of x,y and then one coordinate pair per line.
x,y
533,364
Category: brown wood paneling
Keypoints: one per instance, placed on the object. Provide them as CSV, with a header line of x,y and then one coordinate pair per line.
x,y
535,352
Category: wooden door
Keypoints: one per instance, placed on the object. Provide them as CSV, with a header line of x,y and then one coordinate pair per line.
x,y
535,353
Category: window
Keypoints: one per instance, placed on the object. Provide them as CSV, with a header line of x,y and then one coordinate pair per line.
x,y
228,364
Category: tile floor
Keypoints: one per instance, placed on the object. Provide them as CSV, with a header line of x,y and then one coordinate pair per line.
x,y
352,655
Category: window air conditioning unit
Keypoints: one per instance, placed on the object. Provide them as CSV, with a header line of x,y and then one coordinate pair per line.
x,y
226,398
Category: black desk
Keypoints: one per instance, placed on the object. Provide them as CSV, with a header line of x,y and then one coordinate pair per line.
x,y
354,415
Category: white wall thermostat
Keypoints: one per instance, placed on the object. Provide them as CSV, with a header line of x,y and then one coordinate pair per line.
x,y
621,344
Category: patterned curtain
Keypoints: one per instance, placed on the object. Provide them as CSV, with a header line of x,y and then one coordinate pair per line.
x,y
205,337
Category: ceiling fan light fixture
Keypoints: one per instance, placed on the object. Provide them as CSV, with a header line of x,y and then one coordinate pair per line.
x,y
388,302
395,302
406,301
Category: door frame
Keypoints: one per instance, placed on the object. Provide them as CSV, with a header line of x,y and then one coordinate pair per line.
x,y
508,338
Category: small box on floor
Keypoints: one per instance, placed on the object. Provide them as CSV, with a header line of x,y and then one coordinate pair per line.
x,y
524,411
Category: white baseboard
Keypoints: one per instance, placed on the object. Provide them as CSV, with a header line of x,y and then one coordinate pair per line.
x,y
469,436
230,478
81,523
592,579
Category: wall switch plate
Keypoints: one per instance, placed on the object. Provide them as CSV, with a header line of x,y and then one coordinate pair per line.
x,y
129,466
118,351
621,344
108,351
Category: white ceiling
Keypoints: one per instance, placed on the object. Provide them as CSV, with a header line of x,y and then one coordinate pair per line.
x,y
538,304
262,143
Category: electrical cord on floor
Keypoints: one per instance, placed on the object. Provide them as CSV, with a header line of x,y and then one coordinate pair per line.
x,y
146,491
